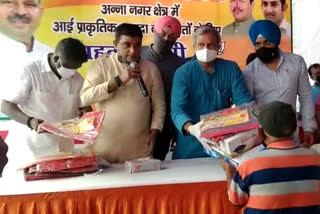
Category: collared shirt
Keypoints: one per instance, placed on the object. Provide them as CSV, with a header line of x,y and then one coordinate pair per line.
x,y
285,28
40,94
14,58
129,115
281,179
37,79
167,66
196,93
237,28
39,50
290,79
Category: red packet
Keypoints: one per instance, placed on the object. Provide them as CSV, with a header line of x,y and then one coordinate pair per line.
x,y
86,128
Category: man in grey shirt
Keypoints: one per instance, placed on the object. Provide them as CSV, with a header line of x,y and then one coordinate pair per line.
x,y
167,31
278,76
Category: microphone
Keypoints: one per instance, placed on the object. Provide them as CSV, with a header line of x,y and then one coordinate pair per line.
x,y
140,81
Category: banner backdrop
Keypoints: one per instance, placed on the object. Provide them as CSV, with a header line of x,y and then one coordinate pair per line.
x,y
94,23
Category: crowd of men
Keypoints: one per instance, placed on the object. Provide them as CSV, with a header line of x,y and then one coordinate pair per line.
x,y
152,98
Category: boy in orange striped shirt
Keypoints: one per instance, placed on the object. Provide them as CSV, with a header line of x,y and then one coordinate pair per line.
x,y
284,178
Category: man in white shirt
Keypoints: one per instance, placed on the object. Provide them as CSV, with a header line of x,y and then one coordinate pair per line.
x,y
19,19
47,90
274,10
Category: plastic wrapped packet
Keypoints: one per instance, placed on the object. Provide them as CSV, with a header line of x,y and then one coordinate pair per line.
x,y
142,165
61,166
226,121
85,128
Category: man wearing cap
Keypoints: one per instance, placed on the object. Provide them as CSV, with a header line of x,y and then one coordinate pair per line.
x,y
203,85
242,13
167,31
283,178
275,75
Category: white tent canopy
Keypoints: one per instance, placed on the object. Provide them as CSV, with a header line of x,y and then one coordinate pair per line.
x,y
306,29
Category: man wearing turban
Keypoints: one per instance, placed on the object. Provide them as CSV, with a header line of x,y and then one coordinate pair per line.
x,y
278,76
167,31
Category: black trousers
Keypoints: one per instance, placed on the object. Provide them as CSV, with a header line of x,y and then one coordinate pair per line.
x,y
162,146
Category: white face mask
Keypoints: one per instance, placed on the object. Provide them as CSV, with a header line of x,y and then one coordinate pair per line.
x,y
65,72
206,55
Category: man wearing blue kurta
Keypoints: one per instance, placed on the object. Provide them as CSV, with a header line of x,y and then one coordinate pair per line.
x,y
203,85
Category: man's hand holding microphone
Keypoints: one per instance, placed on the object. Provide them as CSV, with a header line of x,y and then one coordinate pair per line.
x,y
132,72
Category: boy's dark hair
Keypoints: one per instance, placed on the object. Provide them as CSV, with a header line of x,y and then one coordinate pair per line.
x,y
72,49
315,65
127,29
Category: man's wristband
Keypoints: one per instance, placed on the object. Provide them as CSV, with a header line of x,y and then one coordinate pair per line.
x,y
117,81
29,122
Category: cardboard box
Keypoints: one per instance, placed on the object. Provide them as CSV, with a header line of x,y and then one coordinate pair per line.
x,y
240,142
142,165
216,153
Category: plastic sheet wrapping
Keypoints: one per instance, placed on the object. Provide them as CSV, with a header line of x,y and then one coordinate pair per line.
x,y
86,128
61,166
228,121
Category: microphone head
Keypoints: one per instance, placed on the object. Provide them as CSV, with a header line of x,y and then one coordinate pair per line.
x,y
133,65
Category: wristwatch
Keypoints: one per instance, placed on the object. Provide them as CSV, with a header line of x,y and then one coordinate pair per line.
x,y
29,122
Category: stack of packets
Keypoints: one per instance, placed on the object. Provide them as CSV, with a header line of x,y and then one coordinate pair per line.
x,y
231,133
61,166
142,165
86,128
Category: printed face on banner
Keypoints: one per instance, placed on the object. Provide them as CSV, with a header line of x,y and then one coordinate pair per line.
x,y
241,9
129,48
274,10
19,18
94,22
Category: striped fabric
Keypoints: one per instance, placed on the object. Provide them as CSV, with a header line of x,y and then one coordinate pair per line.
x,y
290,79
281,179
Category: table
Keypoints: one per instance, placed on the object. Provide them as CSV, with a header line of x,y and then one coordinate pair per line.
x,y
183,186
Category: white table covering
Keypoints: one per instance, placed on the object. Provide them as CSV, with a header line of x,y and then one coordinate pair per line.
x,y
173,172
